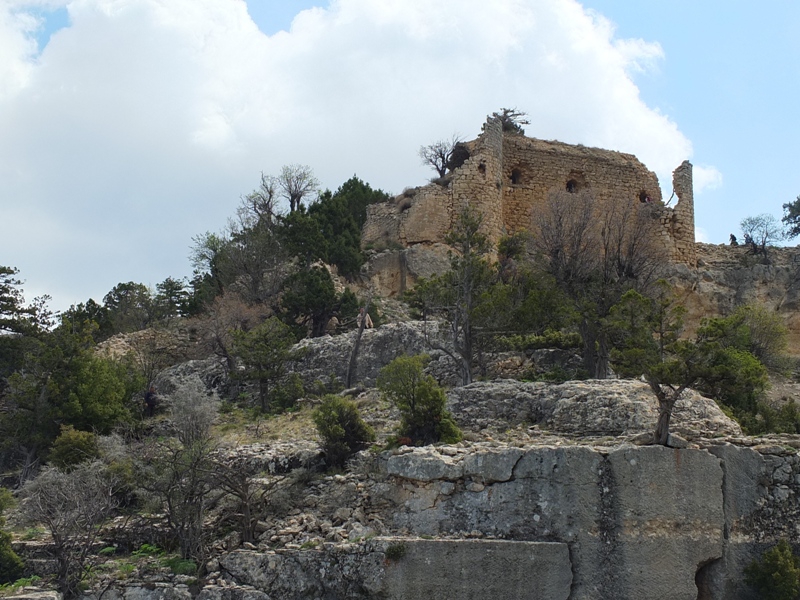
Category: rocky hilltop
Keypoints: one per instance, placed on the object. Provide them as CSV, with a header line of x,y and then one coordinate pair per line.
x,y
730,276
555,493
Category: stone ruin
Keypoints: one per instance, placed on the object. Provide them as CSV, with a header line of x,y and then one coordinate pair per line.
x,y
507,177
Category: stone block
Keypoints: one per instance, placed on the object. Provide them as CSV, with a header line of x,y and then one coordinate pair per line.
x,y
479,569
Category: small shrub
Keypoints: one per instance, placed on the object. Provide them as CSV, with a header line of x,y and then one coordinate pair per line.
x,y
73,447
20,583
11,565
108,551
181,566
32,533
396,551
285,396
341,428
147,550
777,574
420,400
549,339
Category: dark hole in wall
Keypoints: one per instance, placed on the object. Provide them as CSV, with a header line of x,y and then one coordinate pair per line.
x,y
516,176
644,197
572,186
704,579
482,168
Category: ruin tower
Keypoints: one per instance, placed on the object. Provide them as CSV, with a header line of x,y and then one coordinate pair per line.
x,y
681,223
506,177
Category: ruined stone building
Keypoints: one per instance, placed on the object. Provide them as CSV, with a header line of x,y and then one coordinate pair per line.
x,y
507,177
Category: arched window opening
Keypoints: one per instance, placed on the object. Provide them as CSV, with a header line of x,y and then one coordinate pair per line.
x,y
572,186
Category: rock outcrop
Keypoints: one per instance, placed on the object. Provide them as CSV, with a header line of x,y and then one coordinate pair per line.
x,y
612,407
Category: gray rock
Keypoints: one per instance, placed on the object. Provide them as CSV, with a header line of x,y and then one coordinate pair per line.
x,y
424,465
478,569
610,407
328,356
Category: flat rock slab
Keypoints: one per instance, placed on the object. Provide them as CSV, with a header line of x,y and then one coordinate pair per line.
x,y
479,569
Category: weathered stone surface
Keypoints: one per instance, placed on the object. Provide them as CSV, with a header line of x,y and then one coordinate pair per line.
x,y
214,592
594,407
35,595
419,569
159,591
326,356
210,373
479,569
668,507
636,519
727,277
424,466
507,177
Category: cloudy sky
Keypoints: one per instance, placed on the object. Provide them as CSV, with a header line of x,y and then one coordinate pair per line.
x,y
129,126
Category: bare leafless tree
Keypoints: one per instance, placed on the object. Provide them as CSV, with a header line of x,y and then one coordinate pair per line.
x,y
296,182
597,253
178,472
72,505
260,204
438,154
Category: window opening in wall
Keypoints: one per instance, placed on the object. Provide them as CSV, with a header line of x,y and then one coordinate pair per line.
x,y
644,197
516,176
572,186
482,168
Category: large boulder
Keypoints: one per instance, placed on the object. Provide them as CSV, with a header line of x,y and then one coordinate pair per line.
x,y
329,356
609,407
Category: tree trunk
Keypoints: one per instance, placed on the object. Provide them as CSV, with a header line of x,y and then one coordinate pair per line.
x,y
351,366
662,427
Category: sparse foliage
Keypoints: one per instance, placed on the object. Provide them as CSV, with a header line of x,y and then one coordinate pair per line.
x,y
438,154
512,119
179,473
72,506
595,257
761,231
296,182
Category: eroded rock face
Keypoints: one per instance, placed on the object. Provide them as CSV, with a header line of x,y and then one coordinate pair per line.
x,y
728,276
636,519
589,408
442,569
330,355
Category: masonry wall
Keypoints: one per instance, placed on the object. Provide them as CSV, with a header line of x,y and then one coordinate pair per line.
x,y
508,178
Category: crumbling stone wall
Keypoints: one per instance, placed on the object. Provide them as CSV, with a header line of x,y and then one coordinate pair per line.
x,y
507,179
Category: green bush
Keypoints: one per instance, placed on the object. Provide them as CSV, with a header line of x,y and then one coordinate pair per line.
x,y
181,566
11,566
549,339
777,574
396,551
341,428
286,395
73,447
420,400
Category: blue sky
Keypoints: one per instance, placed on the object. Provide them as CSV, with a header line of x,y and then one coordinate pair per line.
x,y
128,126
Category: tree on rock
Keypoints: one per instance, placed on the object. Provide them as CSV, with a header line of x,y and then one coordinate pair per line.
x,y
420,400
438,154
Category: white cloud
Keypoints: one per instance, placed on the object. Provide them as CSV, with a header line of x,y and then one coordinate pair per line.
x,y
706,178
701,235
141,123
